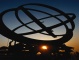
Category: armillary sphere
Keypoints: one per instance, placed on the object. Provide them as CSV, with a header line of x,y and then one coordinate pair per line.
x,y
11,34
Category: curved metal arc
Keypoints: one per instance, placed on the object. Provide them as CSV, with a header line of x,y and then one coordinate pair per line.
x,y
56,18
72,23
41,18
63,24
11,35
54,26
53,8
32,21
16,14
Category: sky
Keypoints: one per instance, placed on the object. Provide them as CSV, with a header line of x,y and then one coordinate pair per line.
x,y
68,6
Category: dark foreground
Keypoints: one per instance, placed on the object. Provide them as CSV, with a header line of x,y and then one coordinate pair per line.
x,y
40,57
19,52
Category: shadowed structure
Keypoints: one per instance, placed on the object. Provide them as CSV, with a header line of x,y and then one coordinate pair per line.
x,y
56,47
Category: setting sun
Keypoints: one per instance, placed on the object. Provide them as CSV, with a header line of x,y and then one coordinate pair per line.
x,y
44,47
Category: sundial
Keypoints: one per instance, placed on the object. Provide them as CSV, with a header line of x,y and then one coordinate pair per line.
x,y
40,22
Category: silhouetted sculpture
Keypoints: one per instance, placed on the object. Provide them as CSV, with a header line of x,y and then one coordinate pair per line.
x,y
30,45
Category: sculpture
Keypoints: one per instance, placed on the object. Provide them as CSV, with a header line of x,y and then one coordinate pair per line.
x,y
11,34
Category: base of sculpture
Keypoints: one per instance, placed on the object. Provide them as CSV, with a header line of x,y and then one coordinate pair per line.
x,y
24,51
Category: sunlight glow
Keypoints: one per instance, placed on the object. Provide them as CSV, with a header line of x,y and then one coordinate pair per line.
x,y
44,47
